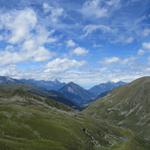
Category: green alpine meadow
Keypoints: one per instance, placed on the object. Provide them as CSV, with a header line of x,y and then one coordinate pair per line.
x,y
118,121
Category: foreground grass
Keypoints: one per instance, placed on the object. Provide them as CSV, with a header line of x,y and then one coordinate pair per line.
x,y
29,121
37,128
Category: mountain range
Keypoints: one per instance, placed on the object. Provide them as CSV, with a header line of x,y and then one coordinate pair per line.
x,y
103,88
48,85
31,120
68,93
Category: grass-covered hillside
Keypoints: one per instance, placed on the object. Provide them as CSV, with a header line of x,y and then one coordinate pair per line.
x,y
29,121
127,107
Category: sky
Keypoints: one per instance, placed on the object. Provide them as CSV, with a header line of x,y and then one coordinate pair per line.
x,y
84,41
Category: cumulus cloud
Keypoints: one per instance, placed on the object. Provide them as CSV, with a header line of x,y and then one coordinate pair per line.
x,y
19,24
146,32
99,8
118,60
62,64
53,12
144,48
10,70
7,57
110,60
80,51
92,8
146,45
46,7
77,50
141,52
71,43
26,35
124,39
12,57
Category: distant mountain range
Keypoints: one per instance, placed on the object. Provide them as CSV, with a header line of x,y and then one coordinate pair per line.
x,y
48,85
68,93
104,88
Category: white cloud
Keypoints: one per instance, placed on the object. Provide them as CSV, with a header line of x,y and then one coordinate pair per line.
x,y
53,12
27,37
113,3
42,54
141,52
56,13
124,39
120,61
92,8
59,65
46,7
128,40
146,32
71,43
80,51
99,8
92,28
19,24
146,45
7,57
72,70
110,60
144,49
128,61
107,32
83,77
9,70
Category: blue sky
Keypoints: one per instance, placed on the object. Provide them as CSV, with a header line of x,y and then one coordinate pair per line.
x,y
85,41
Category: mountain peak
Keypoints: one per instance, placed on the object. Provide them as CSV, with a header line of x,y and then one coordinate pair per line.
x,y
6,79
57,81
105,87
72,84
76,93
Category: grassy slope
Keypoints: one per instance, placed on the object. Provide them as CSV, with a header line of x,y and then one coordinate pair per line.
x,y
32,122
24,127
37,128
127,107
